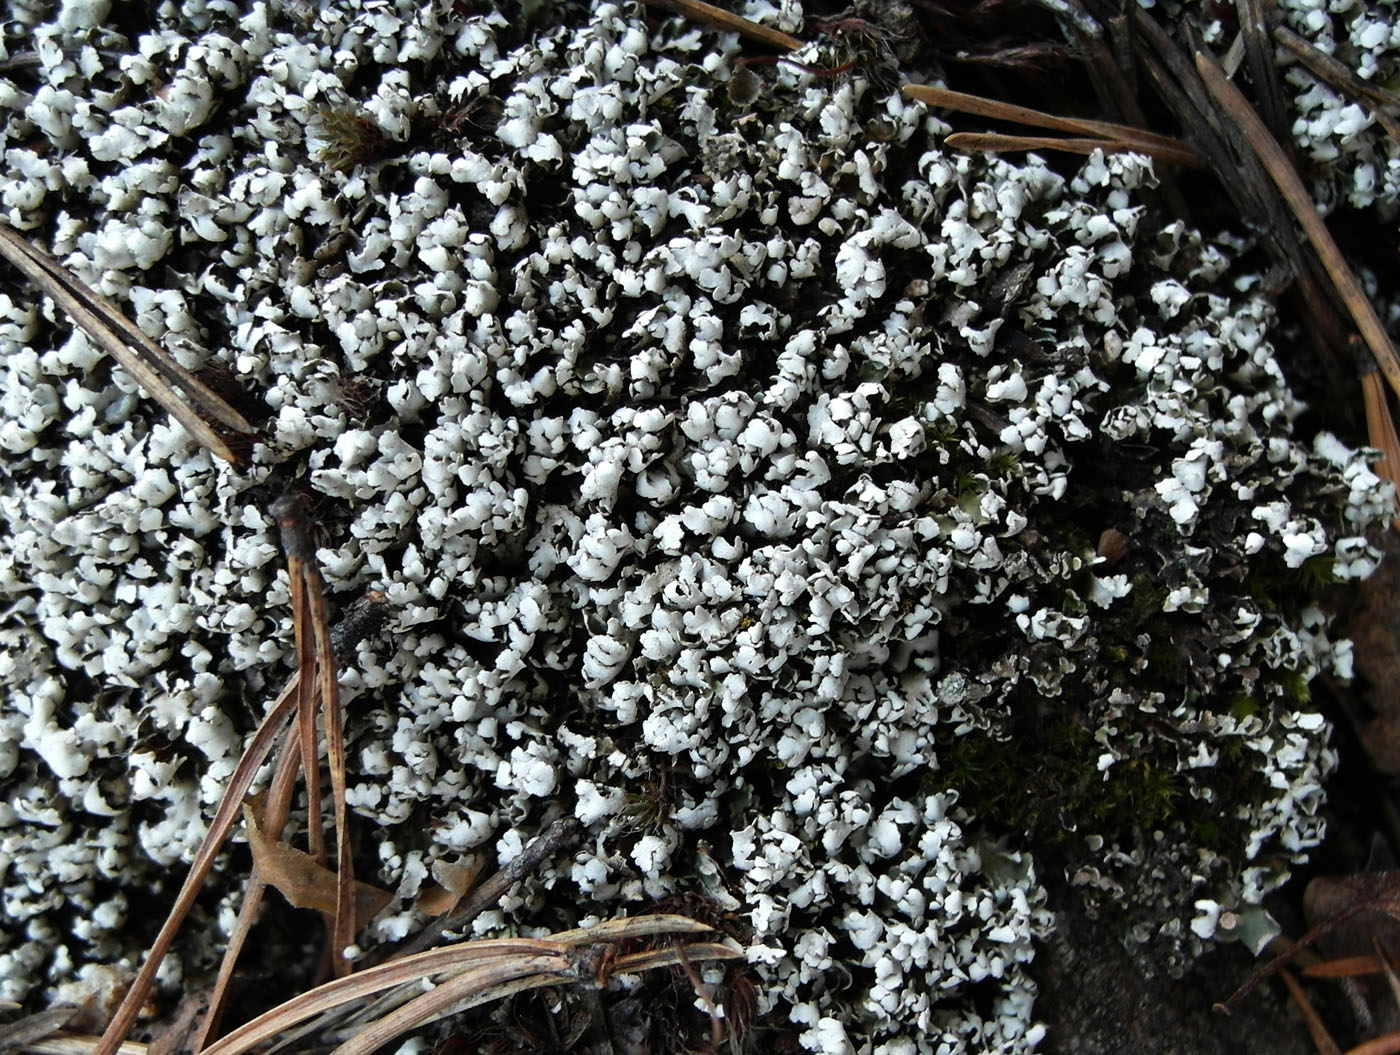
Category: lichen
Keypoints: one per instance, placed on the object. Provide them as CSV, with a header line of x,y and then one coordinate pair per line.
x,y
734,471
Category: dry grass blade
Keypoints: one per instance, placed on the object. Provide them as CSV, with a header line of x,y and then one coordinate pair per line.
x,y
484,983
1385,1044
722,19
625,928
1322,1040
125,342
316,667
224,819
636,962
996,142
411,970
1345,967
1375,98
458,991
1380,430
34,1027
1296,195
1136,139
62,1045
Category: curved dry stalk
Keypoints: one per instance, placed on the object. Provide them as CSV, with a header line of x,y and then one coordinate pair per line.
x,y
224,819
150,365
411,970
1276,162
492,981
465,958
464,987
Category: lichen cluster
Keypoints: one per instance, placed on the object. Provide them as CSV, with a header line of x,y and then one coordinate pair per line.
x,y
734,471
1357,163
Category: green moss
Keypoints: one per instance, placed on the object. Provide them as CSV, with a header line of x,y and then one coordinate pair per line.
x,y
1242,706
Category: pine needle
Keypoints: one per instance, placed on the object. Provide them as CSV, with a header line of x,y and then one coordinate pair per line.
x,y
151,366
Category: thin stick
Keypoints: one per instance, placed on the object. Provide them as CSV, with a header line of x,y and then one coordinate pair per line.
x,y
1294,193
150,365
279,801
1346,967
722,19
219,828
1137,138
1385,1044
317,667
1322,1040
716,1020
301,555
536,852
1375,98
994,141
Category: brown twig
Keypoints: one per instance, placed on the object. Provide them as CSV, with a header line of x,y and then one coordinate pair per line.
x,y
317,667
1130,139
279,799
1322,1040
219,828
1325,67
994,141
1276,162
722,19
1385,1044
716,1020
536,852
151,366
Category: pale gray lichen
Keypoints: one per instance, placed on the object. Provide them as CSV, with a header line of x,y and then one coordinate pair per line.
x,y
733,473
1357,162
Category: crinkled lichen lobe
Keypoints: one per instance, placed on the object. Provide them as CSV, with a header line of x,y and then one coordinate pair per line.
x,y
730,470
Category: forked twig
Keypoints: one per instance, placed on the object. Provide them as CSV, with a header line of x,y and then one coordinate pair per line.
x,y
153,369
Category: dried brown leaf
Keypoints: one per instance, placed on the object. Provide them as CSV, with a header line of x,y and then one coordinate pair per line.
x,y
304,881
